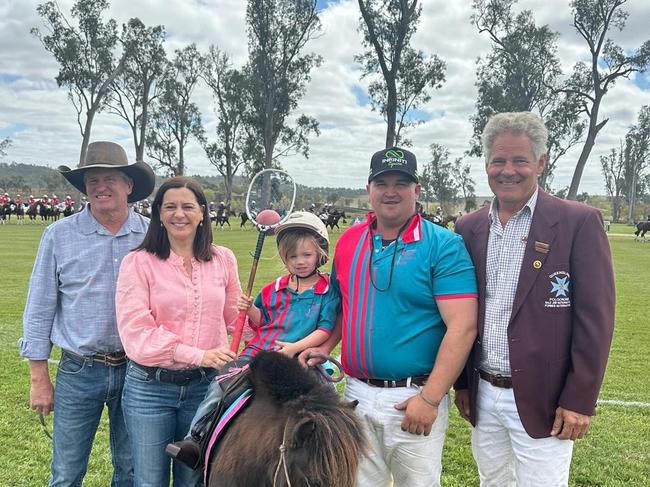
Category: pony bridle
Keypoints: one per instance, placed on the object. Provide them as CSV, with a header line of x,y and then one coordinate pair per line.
x,y
282,462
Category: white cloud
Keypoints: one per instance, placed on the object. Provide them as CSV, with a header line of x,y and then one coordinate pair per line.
x,y
37,115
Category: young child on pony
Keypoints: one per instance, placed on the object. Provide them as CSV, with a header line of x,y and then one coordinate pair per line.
x,y
294,312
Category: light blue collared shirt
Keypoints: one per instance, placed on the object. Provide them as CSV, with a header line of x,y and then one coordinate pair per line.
x,y
71,298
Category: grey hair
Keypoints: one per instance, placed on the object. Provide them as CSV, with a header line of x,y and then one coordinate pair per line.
x,y
516,123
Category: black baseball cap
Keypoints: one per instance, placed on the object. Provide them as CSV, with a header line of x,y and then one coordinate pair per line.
x,y
393,159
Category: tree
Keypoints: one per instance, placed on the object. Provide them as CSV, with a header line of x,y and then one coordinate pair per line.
x,y
465,183
85,55
133,90
613,167
227,84
521,73
437,179
407,75
637,161
175,117
278,72
4,145
593,20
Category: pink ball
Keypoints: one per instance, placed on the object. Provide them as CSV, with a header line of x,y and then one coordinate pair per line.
x,y
267,217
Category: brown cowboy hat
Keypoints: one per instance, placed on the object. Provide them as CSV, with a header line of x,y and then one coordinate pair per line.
x,y
110,155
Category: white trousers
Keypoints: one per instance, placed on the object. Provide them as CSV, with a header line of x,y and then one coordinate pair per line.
x,y
396,457
506,456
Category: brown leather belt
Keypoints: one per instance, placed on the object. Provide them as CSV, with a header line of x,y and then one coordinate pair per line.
x,y
498,380
112,359
416,380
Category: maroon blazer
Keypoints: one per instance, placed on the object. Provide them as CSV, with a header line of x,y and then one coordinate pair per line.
x,y
559,340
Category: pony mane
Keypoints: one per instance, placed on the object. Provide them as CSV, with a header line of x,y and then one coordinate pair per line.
x,y
280,377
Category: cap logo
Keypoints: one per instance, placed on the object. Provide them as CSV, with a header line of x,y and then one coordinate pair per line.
x,y
394,158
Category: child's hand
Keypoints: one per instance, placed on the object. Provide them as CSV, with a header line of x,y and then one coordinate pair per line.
x,y
244,302
286,348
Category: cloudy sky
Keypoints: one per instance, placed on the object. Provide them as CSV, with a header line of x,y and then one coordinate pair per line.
x,y
40,120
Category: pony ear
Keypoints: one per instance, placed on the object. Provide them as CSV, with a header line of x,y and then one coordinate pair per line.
x,y
302,431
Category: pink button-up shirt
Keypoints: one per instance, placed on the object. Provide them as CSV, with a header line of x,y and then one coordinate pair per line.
x,y
167,318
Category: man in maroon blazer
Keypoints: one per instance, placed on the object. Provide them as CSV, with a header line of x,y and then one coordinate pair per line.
x,y
546,315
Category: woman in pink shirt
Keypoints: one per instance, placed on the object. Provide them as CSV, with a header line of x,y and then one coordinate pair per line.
x,y
176,301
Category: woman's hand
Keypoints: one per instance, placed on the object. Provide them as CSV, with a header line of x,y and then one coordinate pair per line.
x,y
244,302
217,357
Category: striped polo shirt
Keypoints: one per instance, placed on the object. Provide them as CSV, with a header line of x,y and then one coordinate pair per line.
x,y
393,332
289,316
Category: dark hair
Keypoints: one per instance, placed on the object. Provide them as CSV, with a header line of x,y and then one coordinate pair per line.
x,y
156,240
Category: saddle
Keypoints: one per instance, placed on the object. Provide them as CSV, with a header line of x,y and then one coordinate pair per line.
x,y
237,390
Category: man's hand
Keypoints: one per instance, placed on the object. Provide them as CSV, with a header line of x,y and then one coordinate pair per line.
x,y
305,361
217,357
41,395
461,399
569,425
419,416
41,392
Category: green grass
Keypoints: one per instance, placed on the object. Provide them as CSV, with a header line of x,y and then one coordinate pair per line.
x,y
615,453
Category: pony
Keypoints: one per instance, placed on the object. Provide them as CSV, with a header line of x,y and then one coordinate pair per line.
x,y
296,431
641,228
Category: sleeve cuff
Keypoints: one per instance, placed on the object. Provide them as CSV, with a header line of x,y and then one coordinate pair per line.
x,y
187,354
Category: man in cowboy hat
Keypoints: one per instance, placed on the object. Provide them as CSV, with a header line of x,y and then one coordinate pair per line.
x,y
71,304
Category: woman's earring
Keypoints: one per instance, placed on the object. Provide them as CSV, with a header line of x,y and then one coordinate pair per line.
x,y
201,224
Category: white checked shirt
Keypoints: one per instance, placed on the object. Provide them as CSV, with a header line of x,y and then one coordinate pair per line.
x,y
505,252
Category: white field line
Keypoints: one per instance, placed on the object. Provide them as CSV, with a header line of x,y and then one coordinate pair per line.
x,y
625,404
603,402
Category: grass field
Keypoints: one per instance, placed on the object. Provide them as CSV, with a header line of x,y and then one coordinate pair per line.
x,y
615,453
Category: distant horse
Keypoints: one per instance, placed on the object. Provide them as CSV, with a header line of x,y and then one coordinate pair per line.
x,y
5,212
55,212
68,210
332,218
295,432
221,217
244,218
43,211
20,213
441,220
32,212
641,228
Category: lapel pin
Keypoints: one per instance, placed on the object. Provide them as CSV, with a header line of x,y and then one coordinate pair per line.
x,y
537,264
542,248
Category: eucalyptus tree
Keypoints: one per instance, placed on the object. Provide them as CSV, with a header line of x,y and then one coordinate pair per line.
x,y
226,153
590,81
278,71
401,77
86,56
522,73
175,117
134,88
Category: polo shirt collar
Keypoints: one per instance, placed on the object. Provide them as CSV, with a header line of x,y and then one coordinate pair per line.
x,y
88,224
321,286
413,231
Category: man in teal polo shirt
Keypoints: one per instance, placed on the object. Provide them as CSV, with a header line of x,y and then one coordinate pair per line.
x,y
409,307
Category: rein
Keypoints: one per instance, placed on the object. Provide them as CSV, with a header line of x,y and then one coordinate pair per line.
x,y
282,462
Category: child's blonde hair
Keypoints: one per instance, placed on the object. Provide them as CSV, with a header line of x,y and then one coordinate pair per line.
x,y
291,238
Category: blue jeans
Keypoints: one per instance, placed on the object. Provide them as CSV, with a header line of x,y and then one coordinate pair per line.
x,y
158,413
82,388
